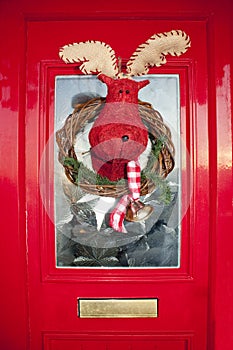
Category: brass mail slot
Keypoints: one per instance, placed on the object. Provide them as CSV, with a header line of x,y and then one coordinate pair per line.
x,y
117,308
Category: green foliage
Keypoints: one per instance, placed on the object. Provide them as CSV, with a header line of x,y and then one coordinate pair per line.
x,y
157,146
81,173
161,183
72,164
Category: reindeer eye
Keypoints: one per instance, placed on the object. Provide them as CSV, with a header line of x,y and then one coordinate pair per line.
x,y
125,138
127,91
120,91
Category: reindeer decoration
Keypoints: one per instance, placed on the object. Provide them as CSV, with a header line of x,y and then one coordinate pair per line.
x,y
118,136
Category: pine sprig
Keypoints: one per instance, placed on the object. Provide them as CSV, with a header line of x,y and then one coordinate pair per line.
x,y
81,173
72,164
157,145
159,181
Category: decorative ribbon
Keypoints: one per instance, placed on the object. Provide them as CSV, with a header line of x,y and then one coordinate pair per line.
x,y
134,182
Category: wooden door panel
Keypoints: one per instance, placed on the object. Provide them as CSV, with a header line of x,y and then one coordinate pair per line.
x,y
126,342
39,300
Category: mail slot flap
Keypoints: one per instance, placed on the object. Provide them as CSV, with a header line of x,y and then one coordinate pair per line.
x,y
117,308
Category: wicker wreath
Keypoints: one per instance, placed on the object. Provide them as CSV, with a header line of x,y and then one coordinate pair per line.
x,y
96,57
86,113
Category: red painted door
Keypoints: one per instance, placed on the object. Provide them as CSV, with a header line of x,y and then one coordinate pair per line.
x,y
40,297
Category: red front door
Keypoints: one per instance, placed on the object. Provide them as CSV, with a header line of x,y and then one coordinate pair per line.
x,y
52,282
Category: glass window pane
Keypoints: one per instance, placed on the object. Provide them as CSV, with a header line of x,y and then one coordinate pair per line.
x,y
83,235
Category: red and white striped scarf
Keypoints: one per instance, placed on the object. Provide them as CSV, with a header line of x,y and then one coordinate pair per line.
x,y
134,182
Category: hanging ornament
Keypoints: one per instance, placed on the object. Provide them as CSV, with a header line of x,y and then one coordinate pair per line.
x,y
122,126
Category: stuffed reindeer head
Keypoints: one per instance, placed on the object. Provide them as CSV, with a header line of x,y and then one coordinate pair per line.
x,y
118,135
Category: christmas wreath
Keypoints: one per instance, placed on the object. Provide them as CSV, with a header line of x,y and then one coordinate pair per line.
x,y
120,127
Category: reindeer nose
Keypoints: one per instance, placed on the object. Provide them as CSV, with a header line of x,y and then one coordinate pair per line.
x,y
125,138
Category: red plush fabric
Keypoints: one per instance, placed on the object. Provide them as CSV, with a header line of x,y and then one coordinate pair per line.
x,y
118,134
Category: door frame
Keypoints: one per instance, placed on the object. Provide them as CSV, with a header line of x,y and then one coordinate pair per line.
x,y
15,333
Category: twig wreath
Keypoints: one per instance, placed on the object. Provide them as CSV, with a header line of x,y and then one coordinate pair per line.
x,y
121,127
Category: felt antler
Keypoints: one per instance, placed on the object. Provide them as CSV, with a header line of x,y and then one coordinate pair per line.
x,y
97,57
153,51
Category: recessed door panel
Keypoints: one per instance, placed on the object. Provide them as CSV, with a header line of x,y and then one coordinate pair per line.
x,y
54,342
